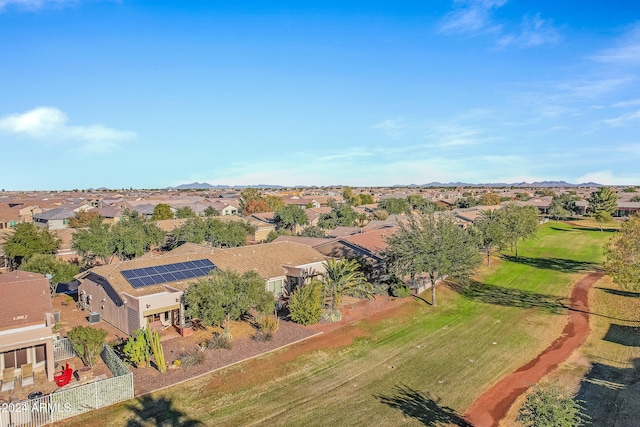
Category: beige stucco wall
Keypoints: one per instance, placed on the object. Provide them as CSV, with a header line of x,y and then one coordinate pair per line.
x,y
101,303
28,336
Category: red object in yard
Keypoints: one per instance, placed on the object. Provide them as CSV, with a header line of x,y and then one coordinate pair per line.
x,y
63,378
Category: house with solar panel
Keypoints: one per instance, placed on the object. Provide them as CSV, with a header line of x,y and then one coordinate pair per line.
x,y
148,290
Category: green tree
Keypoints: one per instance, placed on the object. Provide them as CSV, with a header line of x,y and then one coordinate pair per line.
x,y
162,211
227,234
59,270
435,246
622,255
550,407
27,240
364,199
630,190
94,242
274,202
225,295
343,277
194,230
563,206
348,195
395,206
313,231
83,218
380,214
290,216
604,199
521,222
134,235
306,303
491,227
466,202
342,215
635,199
274,234
544,192
602,217
422,205
185,212
211,211
87,342
489,199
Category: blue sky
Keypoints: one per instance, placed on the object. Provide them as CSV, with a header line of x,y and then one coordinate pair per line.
x,y
150,94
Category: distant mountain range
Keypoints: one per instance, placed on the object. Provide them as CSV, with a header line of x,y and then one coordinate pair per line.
x,y
206,186
519,184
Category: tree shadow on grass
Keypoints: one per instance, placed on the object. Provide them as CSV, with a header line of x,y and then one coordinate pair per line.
x,y
624,335
150,411
510,297
620,293
422,407
556,264
607,394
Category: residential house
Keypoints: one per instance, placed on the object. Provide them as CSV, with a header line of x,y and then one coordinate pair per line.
x,y
131,294
300,201
54,219
26,319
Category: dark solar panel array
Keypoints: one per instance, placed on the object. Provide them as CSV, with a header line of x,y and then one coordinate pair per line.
x,y
159,274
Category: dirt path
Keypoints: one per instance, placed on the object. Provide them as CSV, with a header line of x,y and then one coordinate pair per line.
x,y
493,405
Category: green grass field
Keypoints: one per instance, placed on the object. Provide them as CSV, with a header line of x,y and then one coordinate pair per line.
x,y
422,368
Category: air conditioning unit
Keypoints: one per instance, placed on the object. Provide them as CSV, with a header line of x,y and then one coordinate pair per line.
x,y
94,317
56,316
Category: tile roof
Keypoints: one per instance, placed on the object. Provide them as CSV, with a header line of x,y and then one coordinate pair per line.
x,y
268,260
26,297
373,241
57,213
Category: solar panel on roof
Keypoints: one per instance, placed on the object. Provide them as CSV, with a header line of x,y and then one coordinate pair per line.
x,y
136,283
146,276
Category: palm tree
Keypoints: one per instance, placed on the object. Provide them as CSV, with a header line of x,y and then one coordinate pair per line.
x,y
341,277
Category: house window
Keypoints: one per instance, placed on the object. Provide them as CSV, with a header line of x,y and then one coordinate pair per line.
x,y
40,353
16,358
275,286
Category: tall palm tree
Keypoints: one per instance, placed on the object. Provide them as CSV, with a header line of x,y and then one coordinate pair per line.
x,y
343,276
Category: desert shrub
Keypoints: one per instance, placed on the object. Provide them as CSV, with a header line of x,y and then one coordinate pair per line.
x,y
550,407
305,305
268,324
263,336
87,342
220,341
192,358
381,288
331,315
400,291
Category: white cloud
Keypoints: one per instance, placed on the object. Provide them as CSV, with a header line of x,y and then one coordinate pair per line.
x,y
627,51
33,4
475,17
50,124
450,135
534,31
624,119
630,103
472,17
393,128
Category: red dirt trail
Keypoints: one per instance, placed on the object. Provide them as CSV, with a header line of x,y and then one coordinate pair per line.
x,y
494,404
